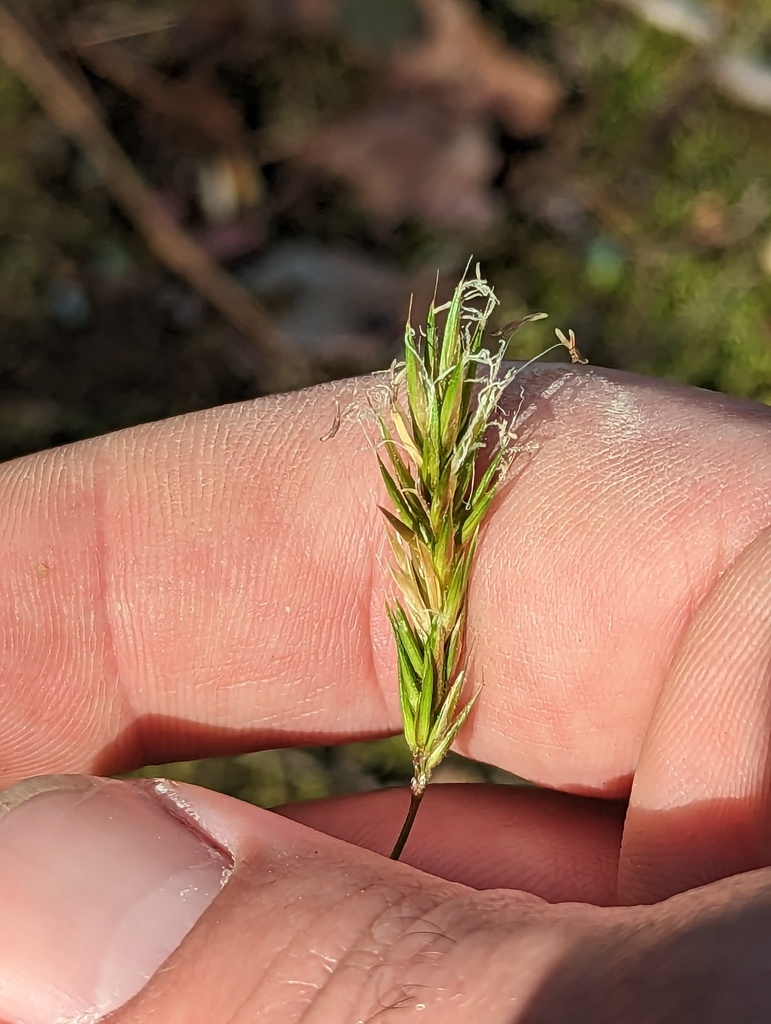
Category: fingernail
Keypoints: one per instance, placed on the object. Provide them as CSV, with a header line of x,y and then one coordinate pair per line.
x,y
100,881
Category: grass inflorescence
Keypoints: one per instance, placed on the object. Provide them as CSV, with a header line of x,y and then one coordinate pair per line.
x,y
440,491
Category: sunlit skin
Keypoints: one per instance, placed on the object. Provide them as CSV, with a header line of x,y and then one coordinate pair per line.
x,y
215,583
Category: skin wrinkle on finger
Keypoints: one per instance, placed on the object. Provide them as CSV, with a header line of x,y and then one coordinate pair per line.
x,y
215,531
369,921
341,945
51,622
481,935
114,692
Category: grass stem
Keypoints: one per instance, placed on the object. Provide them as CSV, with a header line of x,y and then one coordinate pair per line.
x,y
415,797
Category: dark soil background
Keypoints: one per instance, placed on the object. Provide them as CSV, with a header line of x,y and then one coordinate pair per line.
x,y
609,163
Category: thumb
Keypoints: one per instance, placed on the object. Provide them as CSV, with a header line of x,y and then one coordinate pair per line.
x,y
102,880
156,900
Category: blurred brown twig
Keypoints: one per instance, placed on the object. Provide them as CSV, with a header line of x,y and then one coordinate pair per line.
x,y
75,112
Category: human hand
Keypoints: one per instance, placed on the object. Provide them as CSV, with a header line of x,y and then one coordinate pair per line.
x,y
213,584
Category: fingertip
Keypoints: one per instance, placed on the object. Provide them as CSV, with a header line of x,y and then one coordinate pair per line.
x,y
700,802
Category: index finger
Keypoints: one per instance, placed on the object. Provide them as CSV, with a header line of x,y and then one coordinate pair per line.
x,y
215,582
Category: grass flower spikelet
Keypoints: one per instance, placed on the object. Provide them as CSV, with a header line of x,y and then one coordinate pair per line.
x,y
439,496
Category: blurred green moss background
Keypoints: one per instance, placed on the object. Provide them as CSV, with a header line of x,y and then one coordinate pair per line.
x,y
609,163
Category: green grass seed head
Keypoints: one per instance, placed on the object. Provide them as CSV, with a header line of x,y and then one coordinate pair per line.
x,y
439,499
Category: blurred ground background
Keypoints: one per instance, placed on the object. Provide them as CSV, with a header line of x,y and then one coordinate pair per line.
x,y
607,162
